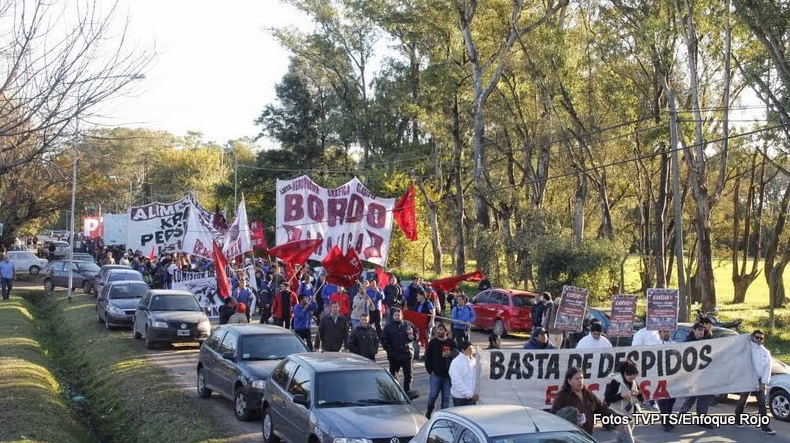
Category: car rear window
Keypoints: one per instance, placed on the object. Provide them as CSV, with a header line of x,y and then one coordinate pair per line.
x,y
118,276
128,291
523,301
545,437
270,347
174,303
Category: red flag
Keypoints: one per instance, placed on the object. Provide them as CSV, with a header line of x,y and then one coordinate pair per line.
x,y
342,270
448,283
257,236
296,252
420,321
405,214
220,263
382,277
152,256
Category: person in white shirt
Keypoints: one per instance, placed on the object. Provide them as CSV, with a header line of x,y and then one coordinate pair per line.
x,y
463,376
645,337
761,359
594,339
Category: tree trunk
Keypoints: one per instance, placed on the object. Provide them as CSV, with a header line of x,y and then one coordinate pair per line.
x,y
774,270
458,221
659,230
578,212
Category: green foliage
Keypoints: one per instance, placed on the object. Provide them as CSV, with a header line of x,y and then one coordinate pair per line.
x,y
593,265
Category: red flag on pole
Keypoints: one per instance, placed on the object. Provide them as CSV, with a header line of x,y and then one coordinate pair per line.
x,y
296,252
152,256
342,270
448,283
220,264
257,236
382,277
405,214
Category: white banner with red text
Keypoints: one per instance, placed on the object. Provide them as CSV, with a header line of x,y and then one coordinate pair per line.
x,y
533,377
350,216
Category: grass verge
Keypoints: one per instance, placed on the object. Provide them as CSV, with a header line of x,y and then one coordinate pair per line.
x,y
126,397
33,402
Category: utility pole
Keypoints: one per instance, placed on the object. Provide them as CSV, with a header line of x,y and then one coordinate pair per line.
x,y
71,235
684,307
235,180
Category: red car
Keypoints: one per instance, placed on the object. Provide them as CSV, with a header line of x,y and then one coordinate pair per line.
x,y
504,310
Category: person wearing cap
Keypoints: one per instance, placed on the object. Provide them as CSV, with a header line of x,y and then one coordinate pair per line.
x,y
761,359
697,333
707,324
538,339
240,317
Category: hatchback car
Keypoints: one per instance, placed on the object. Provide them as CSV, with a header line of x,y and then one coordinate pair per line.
x,y
504,310
498,424
56,274
26,262
170,316
118,302
236,360
336,397
118,274
62,249
103,270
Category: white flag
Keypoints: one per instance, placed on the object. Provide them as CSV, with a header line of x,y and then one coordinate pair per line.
x,y
238,239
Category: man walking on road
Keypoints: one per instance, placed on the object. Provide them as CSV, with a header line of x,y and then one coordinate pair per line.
x,y
396,338
463,376
364,340
761,358
333,329
438,355
7,276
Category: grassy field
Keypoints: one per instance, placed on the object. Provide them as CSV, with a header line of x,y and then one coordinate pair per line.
x,y
113,389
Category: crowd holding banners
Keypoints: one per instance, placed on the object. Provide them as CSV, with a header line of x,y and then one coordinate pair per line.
x,y
662,309
570,313
532,378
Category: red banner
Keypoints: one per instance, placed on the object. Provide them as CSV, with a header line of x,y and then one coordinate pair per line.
x,y
257,236
342,269
220,264
448,283
420,321
296,252
405,214
382,277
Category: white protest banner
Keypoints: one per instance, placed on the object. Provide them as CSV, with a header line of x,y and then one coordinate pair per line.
x,y
570,312
621,319
160,225
203,285
238,239
199,237
350,216
662,309
114,229
533,377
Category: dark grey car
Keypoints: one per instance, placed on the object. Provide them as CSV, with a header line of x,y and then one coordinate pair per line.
x,y
236,360
330,397
102,271
170,316
118,275
56,274
118,302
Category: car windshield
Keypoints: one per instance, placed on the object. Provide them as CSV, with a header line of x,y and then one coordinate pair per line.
x,y
118,276
545,437
176,302
270,347
128,291
87,267
523,302
357,388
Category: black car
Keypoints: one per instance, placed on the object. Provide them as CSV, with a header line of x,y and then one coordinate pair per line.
x,y
170,316
236,360
118,302
56,274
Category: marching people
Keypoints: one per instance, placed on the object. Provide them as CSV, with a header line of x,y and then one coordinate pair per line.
x,y
665,405
364,340
463,376
333,329
595,339
697,333
362,304
538,339
243,294
423,306
761,359
575,393
396,338
393,296
240,317
623,395
439,353
341,298
539,308
303,312
377,296
283,304
266,298
462,316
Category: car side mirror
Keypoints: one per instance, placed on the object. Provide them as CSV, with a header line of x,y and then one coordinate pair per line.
x,y
413,394
301,399
229,356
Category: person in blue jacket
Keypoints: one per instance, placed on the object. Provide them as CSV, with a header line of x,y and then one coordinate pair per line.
x,y
303,312
462,316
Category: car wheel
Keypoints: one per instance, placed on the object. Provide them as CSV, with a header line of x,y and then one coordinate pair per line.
x,y
202,390
780,405
149,344
86,287
499,328
34,270
48,285
240,406
268,427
